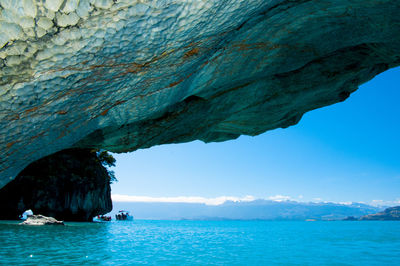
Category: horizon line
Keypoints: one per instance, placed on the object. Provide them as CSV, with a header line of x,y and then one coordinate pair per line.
x,y
248,198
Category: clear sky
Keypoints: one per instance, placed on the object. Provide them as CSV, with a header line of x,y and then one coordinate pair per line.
x,y
344,152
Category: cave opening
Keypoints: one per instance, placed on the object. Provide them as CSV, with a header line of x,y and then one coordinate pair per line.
x,y
325,148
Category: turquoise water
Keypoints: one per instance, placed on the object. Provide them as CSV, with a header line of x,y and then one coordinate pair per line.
x,y
202,242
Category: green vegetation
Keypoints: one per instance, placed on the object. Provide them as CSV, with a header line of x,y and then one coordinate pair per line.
x,y
107,160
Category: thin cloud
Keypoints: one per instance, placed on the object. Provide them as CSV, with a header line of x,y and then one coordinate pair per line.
x,y
280,198
379,203
346,202
181,199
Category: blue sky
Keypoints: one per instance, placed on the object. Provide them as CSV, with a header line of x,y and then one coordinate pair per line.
x,y
344,152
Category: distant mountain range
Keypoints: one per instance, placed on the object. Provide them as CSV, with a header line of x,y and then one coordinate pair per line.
x,y
253,210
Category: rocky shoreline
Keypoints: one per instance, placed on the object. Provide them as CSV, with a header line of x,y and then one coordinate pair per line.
x,y
389,214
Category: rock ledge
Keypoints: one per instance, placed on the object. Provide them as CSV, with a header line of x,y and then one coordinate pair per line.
x,y
127,75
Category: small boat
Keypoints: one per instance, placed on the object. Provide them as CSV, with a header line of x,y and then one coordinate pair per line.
x,y
123,216
103,218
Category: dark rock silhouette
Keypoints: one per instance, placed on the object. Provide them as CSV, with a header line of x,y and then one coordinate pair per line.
x,y
71,185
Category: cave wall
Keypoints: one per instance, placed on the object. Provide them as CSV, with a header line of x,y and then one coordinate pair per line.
x,y
123,75
71,185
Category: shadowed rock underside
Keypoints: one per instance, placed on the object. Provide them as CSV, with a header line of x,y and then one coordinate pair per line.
x,y
124,75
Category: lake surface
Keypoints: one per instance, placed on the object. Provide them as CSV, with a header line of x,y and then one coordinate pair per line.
x,y
202,242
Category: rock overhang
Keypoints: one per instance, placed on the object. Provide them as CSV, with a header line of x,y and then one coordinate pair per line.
x,y
124,75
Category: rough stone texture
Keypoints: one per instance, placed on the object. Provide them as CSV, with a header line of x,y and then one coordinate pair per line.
x,y
41,220
71,185
123,75
389,214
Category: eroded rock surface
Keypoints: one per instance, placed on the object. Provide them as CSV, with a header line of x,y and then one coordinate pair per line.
x,y
41,220
123,75
71,185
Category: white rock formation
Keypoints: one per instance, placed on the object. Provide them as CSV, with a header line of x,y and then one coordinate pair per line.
x,y
41,220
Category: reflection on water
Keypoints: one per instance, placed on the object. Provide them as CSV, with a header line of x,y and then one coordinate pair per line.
x,y
74,243
202,242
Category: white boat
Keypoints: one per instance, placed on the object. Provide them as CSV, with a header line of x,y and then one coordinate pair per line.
x,y
123,216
